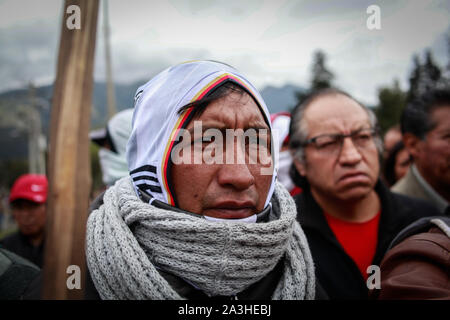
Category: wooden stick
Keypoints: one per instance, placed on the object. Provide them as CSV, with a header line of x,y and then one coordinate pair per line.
x,y
69,168
110,94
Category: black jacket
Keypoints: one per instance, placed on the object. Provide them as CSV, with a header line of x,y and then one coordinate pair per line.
x,y
21,245
336,271
16,275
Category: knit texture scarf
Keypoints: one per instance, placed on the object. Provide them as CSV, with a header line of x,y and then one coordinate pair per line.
x,y
129,240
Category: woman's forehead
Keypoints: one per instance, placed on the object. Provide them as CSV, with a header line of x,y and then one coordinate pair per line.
x,y
233,110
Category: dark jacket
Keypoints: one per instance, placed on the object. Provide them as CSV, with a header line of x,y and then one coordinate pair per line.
x,y
261,290
20,245
418,265
16,275
336,271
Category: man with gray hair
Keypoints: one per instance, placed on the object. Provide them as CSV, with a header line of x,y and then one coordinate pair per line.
x,y
348,215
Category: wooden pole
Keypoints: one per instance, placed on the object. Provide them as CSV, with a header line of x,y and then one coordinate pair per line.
x,y
111,96
69,169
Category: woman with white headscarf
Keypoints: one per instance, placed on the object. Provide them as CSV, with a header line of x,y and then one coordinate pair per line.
x,y
143,242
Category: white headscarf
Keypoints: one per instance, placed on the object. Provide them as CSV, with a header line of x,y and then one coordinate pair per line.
x,y
114,163
280,127
156,121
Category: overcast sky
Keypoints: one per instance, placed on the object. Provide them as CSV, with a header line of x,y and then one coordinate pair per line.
x,y
271,42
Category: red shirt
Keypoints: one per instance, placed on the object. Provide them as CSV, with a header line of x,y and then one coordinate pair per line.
x,y
359,239
296,191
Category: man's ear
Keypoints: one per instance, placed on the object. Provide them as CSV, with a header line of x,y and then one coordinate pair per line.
x,y
412,144
300,167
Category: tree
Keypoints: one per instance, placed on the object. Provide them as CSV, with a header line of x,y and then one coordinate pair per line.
x,y
391,101
96,170
432,72
415,79
424,77
321,77
446,72
448,51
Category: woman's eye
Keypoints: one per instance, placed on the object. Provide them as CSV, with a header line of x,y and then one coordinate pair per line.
x,y
253,140
207,139
257,141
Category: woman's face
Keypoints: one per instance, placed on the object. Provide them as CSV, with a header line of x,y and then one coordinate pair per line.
x,y
229,189
402,162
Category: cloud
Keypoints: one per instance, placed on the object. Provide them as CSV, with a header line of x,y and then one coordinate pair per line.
x,y
27,53
128,68
271,42
21,13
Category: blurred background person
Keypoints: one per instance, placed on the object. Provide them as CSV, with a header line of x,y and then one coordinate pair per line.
x,y
197,200
392,136
349,216
113,143
396,164
28,200
280,124
425,126
17,275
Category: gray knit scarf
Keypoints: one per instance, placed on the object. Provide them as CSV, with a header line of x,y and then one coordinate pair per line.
x,y
129,240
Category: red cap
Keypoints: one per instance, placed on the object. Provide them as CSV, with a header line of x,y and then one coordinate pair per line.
x,y
31,187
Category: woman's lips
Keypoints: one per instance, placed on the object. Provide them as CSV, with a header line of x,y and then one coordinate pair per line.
x,y
354,178
231,210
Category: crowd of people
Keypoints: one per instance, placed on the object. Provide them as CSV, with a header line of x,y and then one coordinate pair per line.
x,y
210,196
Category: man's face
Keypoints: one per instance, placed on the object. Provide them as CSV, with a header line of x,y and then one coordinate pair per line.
x,y
432,155
351,172
402,163
29,216
230,190
391,138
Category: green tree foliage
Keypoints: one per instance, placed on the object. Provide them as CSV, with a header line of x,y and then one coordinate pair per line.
x,y
415,79
391,101
321,76
446,72
424,76
432,71
448,51
10,170
96,171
